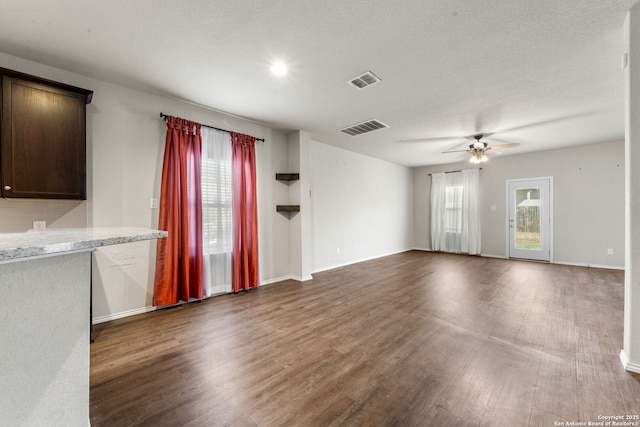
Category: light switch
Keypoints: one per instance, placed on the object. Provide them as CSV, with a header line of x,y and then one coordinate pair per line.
x,y
153,203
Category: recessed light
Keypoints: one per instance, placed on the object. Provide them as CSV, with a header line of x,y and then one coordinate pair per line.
x,y
279,69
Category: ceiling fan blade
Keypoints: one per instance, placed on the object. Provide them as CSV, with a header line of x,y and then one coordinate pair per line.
x,y
501,146
428,140
455,151
545,123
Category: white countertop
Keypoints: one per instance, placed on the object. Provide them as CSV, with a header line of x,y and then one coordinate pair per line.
x,y
59,240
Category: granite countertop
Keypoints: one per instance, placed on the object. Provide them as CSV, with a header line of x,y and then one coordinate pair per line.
x,y
58,241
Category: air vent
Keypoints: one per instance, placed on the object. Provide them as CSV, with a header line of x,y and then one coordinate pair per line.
x,y
364,127
364,80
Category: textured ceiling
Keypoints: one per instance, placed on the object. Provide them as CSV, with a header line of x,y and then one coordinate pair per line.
x,y
543,73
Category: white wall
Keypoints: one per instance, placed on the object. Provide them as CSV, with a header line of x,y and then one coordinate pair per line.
x,y
17,215
630,354
125,140
300,245
588,197
362,207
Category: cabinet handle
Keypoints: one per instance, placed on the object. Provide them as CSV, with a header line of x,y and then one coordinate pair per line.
x,y
7,188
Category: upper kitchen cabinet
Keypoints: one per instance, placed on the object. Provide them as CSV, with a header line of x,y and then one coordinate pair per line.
x,y
42,138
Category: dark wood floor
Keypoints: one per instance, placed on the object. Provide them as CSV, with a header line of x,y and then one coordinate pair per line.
x,y
415,339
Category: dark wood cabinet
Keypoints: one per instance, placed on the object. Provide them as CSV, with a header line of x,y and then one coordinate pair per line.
x,y
42,138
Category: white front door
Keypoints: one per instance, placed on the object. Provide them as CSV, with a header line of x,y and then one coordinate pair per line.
x,y
530,207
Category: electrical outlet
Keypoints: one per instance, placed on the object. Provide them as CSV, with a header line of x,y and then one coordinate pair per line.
x,y
39,225
609,251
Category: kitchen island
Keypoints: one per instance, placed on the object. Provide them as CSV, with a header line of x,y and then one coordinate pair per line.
x,y
45,295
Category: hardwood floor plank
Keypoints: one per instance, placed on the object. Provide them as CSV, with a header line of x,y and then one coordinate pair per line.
x,y
541,418
557,388
412,339
598,391
629,386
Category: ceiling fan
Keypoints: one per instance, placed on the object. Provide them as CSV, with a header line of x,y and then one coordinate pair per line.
x,y
479,149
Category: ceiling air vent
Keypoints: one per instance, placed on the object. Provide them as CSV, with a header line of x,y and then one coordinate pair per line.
x,y
364,80
364,127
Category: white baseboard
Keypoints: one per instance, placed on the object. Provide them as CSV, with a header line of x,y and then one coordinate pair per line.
x,y
275,280
493,256
482,254
332,267
283,278
582,264
302,279
148,309
576,264
631,367
122,314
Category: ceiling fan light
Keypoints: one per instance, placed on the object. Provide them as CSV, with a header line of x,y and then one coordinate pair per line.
x,y
478,158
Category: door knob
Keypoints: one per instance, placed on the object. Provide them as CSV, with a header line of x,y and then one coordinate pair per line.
x,y
7,188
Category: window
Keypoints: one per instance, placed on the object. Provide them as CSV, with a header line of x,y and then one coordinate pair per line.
x,y
455,220
453,208
216,205
217,222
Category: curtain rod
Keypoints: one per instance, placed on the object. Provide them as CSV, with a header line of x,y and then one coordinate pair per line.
x,y
164,117
455,171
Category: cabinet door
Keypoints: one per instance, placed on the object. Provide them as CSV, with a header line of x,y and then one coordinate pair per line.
x,y
43,145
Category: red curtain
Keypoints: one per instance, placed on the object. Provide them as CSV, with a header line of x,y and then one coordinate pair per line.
x,y
179,273
245,212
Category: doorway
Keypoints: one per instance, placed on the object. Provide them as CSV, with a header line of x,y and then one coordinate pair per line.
x,y
529,219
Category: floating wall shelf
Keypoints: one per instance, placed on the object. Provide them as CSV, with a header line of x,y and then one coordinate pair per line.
x,y
288,208
287,176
